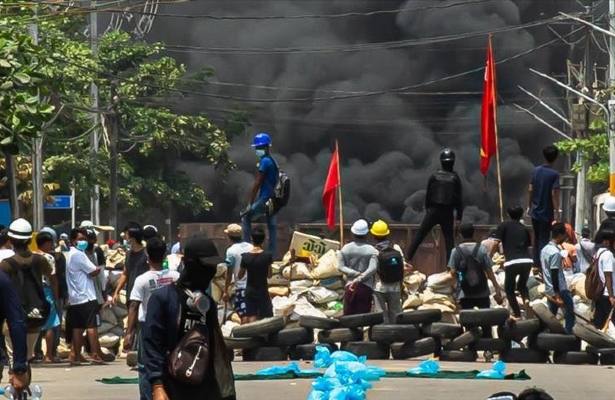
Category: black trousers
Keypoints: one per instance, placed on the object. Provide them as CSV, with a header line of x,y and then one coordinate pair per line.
x,y
511,283
603,308
542,235
440,215
482,302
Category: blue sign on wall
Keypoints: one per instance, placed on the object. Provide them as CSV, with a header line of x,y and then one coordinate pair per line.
x,y
60,202
5,212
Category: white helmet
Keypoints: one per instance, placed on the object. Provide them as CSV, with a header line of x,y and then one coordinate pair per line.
x,y
86,224
360,228
20,229
50,231
609,204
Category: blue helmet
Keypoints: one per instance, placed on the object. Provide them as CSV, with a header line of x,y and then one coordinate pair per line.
x,y
261,139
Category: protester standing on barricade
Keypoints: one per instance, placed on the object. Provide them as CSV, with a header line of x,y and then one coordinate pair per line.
x,y
262,191
605,262
585,250
516,241
543,195
182,309
257,265
443,204
552,259
358,261
233,264
390,276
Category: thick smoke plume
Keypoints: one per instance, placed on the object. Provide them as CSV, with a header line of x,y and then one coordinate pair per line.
x,y
389,143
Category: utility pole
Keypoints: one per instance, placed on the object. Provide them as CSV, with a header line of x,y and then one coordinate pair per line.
x,y
611,83
94,136
113,128
12,182
38,217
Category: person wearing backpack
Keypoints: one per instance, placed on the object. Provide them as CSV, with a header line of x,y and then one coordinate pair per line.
x,y
604,264
390,275
26,271
470,265
182,314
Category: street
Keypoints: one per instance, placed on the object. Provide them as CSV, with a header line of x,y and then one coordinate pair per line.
x,y
563,382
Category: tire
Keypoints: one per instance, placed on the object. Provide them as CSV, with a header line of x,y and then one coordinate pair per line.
x,y
306,352
340,335
259,328
520,329
525,356
494,345
310,322
593,336
607,359
291,337
243,343
458,355
463,340
266,354
547,319
361,320
422,347
442,330
419,317
372,350
484,317
575,358
393,333
557,342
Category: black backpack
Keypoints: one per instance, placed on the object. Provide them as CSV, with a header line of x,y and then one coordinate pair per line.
x,y
472,271
390,265
31,293
281,191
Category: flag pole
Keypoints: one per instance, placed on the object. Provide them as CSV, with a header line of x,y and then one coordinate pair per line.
x,y
497,144
339,194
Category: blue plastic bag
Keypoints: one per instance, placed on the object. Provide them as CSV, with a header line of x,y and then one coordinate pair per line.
x,y
318,395
349,392
497,371
427,367
323,357
279,370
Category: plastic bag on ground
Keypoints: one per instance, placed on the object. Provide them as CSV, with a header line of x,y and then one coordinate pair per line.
x,y
497,371
280,369
430,367
323,358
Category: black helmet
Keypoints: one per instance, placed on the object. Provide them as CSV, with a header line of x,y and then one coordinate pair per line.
x,y
447,155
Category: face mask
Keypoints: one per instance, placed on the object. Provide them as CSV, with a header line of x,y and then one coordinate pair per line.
x,y
82,245
260,153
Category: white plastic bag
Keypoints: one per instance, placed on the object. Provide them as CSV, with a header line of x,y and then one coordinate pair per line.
x,y
321,295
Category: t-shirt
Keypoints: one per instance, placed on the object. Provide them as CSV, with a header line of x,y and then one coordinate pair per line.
x,y
52,263
257,266
551,258
80,284
233,260
585,254
455,263
269,169
38,263
146,283
515,240
606,263
544,180
136,264
358,258
175,248
6,253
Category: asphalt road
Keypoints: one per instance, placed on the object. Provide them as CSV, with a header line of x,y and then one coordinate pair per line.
x,y
561,381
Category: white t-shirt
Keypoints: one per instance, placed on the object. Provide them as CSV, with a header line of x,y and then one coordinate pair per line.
x,y
233,260
6,253
52,264
146,283
80,285
606,261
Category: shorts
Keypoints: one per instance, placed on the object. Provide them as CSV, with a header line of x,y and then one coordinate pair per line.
x,y
84,316
259,306
54,318
239,303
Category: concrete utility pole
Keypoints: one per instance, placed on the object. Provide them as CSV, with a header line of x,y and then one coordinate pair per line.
x,y
611,83
114,131
94,136
38,217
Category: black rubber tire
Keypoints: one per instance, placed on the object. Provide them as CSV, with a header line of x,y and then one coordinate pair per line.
x,y
422,347
393,333
493,345
592,335
361,320
340,335
372,350
547,319
442,330
575,358
259,328
519,329
291,337
465,339
458,355
419,317
557,342
484,317
267,353
525,356
607,359
306,352
310,322
243,343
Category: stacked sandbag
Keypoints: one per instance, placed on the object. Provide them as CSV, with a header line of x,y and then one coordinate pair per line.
x,y
111,329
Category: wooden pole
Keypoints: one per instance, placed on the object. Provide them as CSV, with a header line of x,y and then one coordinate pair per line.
x,y
605,328
497,144
339,194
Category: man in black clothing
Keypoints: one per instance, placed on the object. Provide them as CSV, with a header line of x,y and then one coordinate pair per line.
x,y
442,201
135,263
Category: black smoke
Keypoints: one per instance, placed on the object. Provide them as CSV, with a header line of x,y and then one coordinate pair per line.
x,y
389,142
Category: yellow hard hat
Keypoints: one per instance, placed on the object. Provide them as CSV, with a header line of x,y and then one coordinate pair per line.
x,y
380,229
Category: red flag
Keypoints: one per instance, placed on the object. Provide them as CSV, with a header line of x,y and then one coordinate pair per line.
x,y
331,185
488,125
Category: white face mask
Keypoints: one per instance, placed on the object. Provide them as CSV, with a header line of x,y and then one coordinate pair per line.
x,y
260,153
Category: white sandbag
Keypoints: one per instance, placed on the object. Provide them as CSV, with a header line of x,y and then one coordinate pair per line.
x,y
303,307
321,295
278,280
107,315
120,311
297,271
283,306
327,266
117,330
227,328
414,281
302,243
334,283
577,286
220,270
278,291
104,328
414,300
301,284
109,340
439,281
441,307
430,297
583,309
